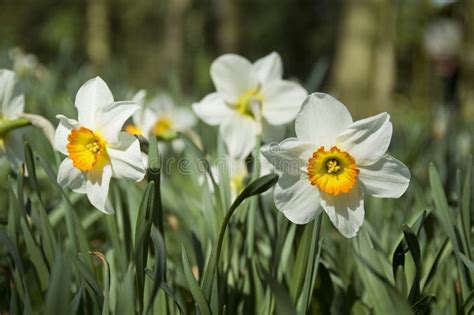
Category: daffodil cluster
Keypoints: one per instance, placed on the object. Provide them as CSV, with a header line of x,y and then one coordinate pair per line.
x,y
331,164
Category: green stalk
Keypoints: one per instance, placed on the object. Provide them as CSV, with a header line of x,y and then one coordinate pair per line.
x,y
8,125
252,214
256,187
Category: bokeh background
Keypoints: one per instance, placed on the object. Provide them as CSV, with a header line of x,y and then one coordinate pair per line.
x,y
370,54
414,59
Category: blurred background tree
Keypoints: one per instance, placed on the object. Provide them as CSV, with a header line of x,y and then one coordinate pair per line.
x,y
365,52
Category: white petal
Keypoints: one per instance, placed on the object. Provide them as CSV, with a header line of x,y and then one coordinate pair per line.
x,y
321,119
97,187
145,119
111,117
290,156
388,178
139,97
14,148
178,145
346,211
282,100
269,67
239,134
91,96
367,140
233,75
162,104
212,109
126,160
12,100
42,124
62,131
71,177
297,199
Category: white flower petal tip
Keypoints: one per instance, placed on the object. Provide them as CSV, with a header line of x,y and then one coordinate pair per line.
x,y
41,123
321,119
346,211
232,76
212,109
367,140
239,134
387,178
269,67
91,96
283,101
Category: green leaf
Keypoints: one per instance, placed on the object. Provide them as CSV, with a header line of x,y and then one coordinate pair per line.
x,y
469,264
434,265
142,237
154,175
466,208
446,220
48,240
257,186
381,294
194,288
58,294
423,305
126,295
88,276
311,268
36,257
283,304
414,248
160,264
106,305
20,271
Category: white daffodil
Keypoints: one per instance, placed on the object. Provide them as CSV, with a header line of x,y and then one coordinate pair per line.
x,y
96,149
12,102
161,118
249,99
333,162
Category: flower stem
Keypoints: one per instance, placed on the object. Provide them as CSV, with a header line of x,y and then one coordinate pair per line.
x,y
8,125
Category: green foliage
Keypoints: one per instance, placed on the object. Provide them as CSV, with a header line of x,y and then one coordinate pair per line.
x,y
179,245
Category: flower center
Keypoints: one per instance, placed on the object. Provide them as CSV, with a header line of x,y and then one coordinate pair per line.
x,y
237,183
164,128
249,102
332,171
86,148
134,130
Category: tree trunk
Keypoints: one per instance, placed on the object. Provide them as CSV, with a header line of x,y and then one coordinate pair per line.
x,y
97,33
172,57
363,73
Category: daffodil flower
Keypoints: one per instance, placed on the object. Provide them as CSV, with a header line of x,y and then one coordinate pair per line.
x,y
95,147
250,99
333,162
12,103
161,118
